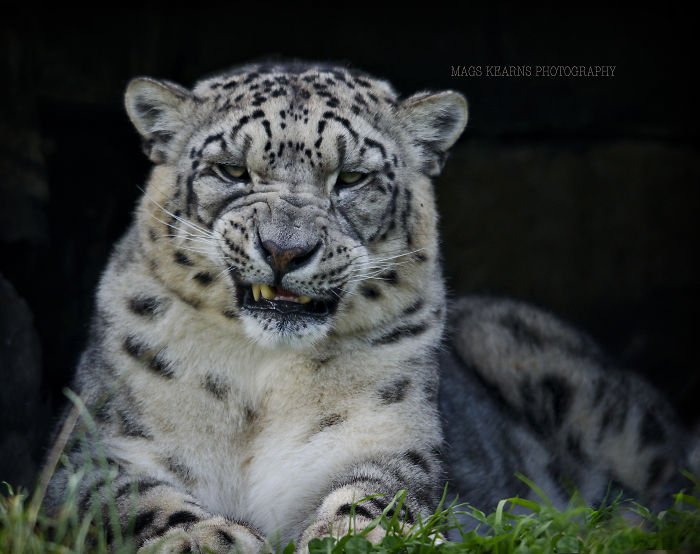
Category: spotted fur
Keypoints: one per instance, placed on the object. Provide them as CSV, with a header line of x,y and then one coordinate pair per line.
x,y
223,423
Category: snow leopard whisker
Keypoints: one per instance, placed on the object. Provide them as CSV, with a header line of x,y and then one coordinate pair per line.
x,y
366,270
384,265
196,250
367,278
201,230
393,256
225,271
184,232
200,240
345,291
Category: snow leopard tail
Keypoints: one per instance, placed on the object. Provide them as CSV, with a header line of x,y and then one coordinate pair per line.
x,y
598,424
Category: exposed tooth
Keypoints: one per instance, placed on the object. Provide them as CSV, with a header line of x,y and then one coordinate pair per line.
x,y
256,292
267,292
303,299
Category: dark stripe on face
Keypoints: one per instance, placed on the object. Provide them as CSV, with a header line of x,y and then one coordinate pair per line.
x,y
219,137
408,207
400,333
341,145
191,196
225,204
388,222
241,122
374,144
344,122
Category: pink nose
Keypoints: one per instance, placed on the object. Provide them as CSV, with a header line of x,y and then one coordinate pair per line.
x,y
284,260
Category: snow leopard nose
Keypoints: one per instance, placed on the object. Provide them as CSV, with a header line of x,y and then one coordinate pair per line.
x,y
285,258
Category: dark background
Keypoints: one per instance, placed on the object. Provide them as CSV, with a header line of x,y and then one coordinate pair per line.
x,y
579,194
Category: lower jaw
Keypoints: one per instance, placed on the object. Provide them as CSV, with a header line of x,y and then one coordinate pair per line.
x,y
272,331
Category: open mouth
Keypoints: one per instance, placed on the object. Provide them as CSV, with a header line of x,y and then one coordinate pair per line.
x,y
277,301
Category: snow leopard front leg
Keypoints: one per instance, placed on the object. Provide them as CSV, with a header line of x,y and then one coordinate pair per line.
x,y
143,498
170,520
158,515
366,490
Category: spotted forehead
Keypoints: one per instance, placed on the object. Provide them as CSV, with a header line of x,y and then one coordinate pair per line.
x,y
288,104
302,88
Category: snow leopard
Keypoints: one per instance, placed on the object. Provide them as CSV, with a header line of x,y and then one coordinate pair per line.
x,y
273,354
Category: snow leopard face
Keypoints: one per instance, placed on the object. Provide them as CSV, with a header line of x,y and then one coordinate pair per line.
x,y
296,198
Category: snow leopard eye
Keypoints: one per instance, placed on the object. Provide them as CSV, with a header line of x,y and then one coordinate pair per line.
x,y
349,178
231,173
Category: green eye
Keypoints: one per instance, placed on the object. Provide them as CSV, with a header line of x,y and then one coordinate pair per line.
x,y
350,177
231,172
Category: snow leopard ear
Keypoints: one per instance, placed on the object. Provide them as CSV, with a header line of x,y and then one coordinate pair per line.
x,y
434,121
158,110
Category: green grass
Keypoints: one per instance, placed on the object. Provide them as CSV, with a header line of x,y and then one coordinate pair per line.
x,y
537,527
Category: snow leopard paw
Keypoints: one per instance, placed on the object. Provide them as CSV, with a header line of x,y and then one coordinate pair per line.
x,y
215,535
